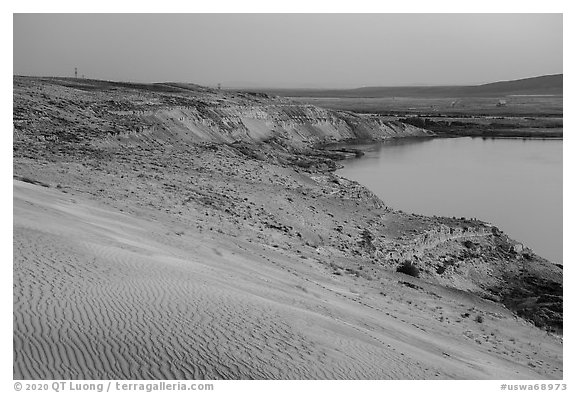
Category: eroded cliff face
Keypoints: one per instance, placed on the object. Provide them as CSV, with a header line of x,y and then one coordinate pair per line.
x,y
55,112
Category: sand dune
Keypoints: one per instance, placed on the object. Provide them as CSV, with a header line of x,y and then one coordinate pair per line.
x,y
100,293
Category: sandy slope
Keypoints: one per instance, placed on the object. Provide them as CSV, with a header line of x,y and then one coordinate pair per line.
x,y
100,293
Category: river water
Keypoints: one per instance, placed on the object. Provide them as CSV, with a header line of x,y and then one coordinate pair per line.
x,y
514,184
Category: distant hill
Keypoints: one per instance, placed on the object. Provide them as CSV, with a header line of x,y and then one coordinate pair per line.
x,y
542,85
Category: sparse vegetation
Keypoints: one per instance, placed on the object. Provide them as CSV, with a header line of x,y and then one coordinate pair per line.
x,y
366,240
409,268
31,181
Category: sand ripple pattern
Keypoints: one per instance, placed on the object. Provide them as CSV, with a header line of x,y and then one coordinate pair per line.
x,y
100,311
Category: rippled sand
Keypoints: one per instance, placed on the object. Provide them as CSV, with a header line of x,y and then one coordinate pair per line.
x,y
99,293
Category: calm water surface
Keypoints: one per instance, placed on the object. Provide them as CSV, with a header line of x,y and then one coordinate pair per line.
x,y
514,184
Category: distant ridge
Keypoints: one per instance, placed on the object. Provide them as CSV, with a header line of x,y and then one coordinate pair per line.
x,y
541,85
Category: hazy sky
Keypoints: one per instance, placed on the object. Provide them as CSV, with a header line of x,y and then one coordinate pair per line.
x,y
290,50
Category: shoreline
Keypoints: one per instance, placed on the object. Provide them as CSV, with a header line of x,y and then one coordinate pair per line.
x,y
260,224
532,235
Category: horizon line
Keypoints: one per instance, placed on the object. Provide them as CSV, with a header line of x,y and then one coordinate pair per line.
x,y
214,85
